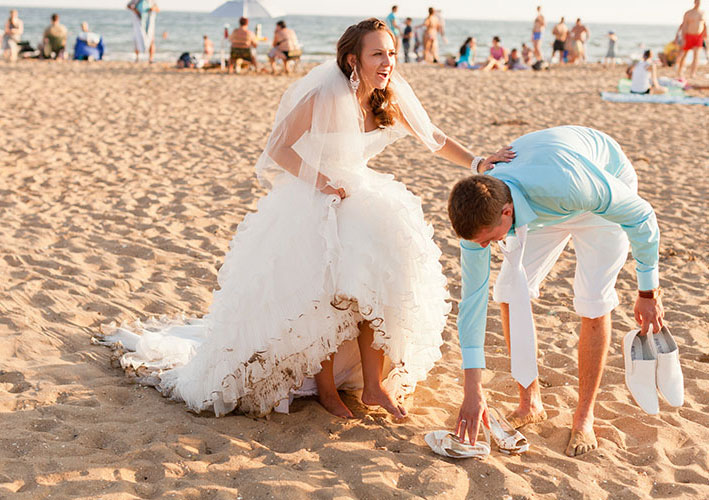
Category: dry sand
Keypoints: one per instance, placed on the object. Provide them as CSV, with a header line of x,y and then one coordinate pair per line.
x,y
121,187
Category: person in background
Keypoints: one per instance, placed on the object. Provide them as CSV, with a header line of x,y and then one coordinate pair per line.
x,y
394,26
514,61
53,44
643,75
670,53
526,54
579,36
407,37
498,56
609,60
207,48
144,27
570,55
92,39
561,33
12,36
243,43
89,45
418,42
537,31
285,44
467,54
433,27
694,32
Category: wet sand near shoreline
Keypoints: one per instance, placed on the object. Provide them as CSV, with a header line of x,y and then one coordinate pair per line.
x,y
121,187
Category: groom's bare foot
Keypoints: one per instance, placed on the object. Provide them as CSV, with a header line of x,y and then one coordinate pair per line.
x,y
582,439
378,396
332,403
521,417
581,442
530,409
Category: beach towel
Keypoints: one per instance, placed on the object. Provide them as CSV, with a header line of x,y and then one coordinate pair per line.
x,y
674,87
660,98
143,25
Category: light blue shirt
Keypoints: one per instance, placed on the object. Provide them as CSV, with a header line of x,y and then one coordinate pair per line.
x,y
467,57
390,20
558,173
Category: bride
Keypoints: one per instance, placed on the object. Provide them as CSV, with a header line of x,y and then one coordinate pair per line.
x,y
334,283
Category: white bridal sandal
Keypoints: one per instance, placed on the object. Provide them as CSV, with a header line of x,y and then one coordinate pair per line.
x,y
640,370
447,444
508,439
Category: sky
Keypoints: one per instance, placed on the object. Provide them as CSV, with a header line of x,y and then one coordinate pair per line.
x,y
623,11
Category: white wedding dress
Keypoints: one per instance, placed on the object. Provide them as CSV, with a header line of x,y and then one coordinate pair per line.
x,y
282,308
302,272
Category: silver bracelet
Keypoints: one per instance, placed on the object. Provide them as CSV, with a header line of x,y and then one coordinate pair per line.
x,y
475,163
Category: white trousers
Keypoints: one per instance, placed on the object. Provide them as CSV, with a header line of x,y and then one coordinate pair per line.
x,y
601,250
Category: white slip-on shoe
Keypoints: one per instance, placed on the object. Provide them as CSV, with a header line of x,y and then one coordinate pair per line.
x,y
640,369
670,381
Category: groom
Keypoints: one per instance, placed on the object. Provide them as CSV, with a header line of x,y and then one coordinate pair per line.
x,y
566,182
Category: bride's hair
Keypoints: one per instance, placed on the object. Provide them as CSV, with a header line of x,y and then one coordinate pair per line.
x,y
351,43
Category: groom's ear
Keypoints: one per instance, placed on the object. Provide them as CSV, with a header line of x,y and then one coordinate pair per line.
x,y
508,209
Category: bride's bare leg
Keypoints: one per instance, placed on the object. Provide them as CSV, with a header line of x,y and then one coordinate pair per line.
x,y
327,392
372,366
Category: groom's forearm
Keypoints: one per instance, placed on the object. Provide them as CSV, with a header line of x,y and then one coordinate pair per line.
x,y
473,383
472,308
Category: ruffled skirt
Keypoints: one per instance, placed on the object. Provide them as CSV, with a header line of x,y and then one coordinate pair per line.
x,y
301,274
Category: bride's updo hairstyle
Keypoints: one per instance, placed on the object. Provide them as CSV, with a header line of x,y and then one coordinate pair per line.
x,y
351,43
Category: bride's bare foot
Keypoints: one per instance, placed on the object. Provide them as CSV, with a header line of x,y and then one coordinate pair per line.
x,y
378,396
332,403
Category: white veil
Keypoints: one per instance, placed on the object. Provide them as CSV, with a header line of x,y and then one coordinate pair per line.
x,y
319,120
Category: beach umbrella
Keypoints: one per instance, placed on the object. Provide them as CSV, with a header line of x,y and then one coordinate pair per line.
x,y
248,8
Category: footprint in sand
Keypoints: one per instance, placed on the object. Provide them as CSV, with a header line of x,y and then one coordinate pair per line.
x,y
17,379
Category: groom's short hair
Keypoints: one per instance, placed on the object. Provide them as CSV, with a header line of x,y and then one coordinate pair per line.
x,y
476,202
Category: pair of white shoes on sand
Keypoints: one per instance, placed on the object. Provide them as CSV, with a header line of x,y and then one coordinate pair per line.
x,y
507,439
652,365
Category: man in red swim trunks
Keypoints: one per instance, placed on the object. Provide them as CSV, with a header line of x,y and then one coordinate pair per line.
x,y
694,32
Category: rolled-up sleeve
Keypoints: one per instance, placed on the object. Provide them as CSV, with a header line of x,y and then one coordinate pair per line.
x,y
472,310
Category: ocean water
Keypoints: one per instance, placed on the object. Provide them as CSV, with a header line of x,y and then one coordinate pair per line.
x,y
318,34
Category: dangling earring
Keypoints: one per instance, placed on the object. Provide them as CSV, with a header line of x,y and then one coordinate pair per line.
x,y
354,80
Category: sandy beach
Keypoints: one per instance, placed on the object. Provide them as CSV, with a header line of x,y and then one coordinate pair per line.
x,y
121,187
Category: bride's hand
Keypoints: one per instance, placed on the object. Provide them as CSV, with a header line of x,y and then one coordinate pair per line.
x,y
504,155
328,189
325,187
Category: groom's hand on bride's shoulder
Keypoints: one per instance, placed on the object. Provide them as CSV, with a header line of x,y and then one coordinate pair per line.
x,y
503,155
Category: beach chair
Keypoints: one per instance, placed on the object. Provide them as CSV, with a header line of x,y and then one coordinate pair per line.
x,y
294,55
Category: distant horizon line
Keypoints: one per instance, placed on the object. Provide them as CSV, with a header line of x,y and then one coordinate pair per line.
x,y
322,15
